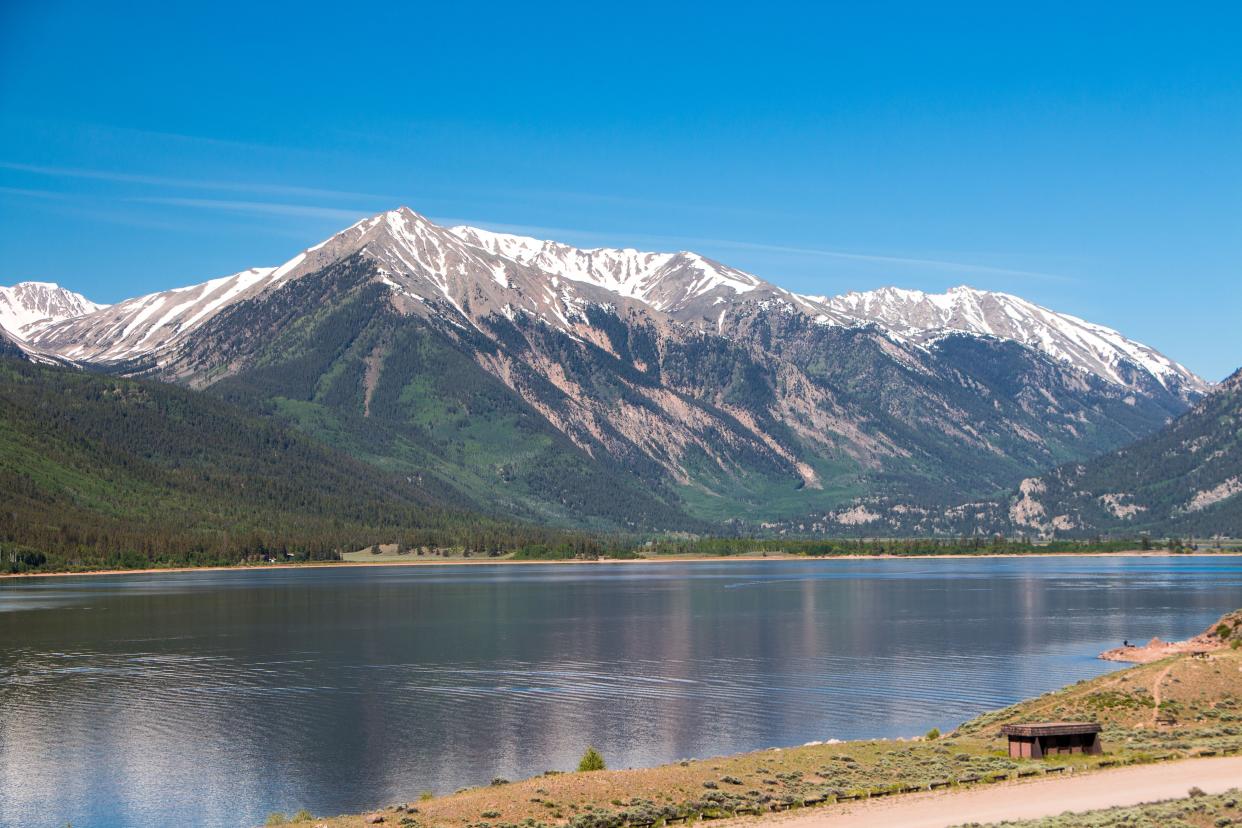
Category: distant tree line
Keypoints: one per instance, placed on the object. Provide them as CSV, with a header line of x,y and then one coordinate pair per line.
x,y
825,547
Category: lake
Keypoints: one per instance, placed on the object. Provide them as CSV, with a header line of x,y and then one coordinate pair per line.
x,y
214,698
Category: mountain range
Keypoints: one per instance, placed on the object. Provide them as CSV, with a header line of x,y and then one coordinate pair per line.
x,y
613,388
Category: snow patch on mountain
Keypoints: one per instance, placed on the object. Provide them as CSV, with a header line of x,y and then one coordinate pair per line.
x,y
146,324
662,280
923,317
27,306
469,273
675,282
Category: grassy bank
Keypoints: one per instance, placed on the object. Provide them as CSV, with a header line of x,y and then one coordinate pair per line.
x,y
1180,707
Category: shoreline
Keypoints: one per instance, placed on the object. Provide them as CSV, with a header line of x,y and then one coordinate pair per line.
x,y
1202,645
928,780
663,559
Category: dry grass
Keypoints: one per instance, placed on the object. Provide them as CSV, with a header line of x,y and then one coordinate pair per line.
x,y
715,787
1181,705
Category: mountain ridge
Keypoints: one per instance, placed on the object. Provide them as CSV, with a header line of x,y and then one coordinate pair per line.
x,y
613,387
1185,478
685,285
925,316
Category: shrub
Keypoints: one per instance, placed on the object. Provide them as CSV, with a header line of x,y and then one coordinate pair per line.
x,y
591,761
276,818
302,816
932,734
1196,791
1223,631
426,795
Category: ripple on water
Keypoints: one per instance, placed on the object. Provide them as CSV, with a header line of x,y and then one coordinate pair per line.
x,y
219,697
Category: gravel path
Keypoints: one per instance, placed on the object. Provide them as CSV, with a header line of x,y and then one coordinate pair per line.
x,y
1027,799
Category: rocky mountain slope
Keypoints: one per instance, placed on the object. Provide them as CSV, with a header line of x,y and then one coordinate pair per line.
x,y
620,388
1185,479
28,306
694,289
142,326
925,317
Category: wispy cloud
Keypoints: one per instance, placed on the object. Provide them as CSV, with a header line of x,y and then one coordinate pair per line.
x,y
877,258
191,183
634,203
257,207
27,193
538,231
340,213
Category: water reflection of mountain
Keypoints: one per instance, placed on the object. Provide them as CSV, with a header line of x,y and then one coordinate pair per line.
x,y
140,699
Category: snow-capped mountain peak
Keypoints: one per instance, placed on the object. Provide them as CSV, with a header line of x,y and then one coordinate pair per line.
x,y
923,317
665,281
27,306
470,273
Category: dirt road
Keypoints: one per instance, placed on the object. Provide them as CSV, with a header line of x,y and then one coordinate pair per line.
x,y
1042,797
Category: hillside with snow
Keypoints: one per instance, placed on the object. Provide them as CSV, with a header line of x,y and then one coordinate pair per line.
x,y
552,280
28,306
1102,351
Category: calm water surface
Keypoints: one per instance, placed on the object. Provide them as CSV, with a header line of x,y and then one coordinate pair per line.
x,y
214,698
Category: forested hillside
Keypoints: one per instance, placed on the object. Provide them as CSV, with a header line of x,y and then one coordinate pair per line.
x,y
101,471
1184,479
9,347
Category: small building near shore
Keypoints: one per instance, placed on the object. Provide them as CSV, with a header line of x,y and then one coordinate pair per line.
x,y
1037,740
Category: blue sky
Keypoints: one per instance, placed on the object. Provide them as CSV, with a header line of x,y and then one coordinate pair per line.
x,y
1086,156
